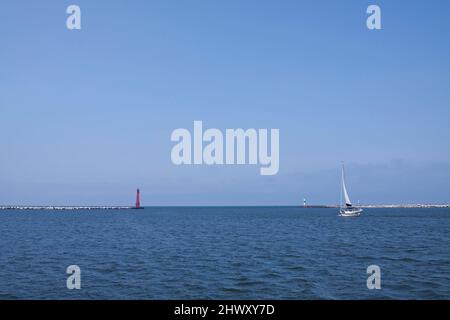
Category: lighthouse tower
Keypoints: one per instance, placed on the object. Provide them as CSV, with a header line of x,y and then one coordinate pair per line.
x,y
138,200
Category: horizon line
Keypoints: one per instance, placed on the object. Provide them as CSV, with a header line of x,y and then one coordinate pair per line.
x,y
117,207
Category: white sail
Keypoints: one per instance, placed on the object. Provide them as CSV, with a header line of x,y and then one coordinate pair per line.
x,y
346,197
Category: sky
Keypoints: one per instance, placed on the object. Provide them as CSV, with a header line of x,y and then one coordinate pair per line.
x,y
86,115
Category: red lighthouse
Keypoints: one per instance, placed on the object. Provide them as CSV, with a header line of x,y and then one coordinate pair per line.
x,y
138,200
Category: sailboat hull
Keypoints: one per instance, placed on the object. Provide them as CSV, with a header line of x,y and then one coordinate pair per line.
x,y
350,213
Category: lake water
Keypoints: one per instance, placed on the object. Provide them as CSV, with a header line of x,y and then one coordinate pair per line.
x,y
225,253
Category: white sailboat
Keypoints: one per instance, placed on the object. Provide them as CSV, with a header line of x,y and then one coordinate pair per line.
x,y
347,210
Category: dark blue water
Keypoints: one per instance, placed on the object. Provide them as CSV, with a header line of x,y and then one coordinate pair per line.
x,y
225,253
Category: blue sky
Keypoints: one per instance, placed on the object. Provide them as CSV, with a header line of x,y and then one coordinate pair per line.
x,y
86,116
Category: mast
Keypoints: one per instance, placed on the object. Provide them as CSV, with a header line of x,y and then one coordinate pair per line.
x,y
342,183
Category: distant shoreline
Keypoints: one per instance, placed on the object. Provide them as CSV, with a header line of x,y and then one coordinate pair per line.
x,y
381,206
65,207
